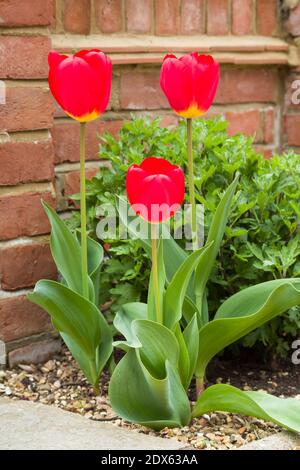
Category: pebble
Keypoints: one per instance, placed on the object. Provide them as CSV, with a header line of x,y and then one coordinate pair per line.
x,y
60,383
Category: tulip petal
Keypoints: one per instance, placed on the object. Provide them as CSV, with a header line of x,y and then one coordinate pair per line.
x,y
155,189
176,82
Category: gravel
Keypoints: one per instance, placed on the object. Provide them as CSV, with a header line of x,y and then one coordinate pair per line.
x,y
60,383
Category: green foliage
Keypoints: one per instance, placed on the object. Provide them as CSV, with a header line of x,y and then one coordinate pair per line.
x,y
261,240
77,318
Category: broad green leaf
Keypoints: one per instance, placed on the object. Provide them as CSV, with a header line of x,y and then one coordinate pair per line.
x,y
81,325
191,339
123,322
139,397
152,314
71,314
244,312
174,255
65,250
176,290
214,240
95,258
92,369
221,397
184,359
158,344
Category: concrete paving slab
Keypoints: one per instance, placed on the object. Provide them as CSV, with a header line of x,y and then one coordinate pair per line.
x,y
33,426
280,441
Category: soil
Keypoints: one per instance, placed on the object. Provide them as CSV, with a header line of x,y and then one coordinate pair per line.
x,y
60,383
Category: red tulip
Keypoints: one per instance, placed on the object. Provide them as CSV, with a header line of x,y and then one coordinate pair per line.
x,y
155,189
190,83
81,83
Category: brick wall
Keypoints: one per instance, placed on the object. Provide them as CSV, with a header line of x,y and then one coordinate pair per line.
x,y
256,43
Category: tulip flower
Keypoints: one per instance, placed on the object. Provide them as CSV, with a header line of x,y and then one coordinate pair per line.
x,y
81,85
155,189
190,84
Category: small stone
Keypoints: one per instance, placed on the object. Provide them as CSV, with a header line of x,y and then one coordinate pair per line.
x,y
27,368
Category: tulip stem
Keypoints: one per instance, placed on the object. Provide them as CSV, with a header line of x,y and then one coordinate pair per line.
x,y
159,317
189,123
84,265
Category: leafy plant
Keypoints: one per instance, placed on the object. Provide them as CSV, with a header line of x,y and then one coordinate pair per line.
x,y
163,352
77,318
263,223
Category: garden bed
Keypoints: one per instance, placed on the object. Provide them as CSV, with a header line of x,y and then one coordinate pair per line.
x,y
59,382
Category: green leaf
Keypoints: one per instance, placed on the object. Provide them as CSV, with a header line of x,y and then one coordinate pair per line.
x,y
191,339
65,250
139,397
95,258
176,290
123,321
282,411
79,322
157,344
244,312
215,235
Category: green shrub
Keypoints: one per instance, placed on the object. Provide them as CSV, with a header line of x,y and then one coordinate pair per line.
x,y
262,240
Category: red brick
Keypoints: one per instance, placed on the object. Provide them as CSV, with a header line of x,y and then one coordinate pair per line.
x,y
24,162
242,17
34,353
269,126
266,152
23,265
247,86
23,215
293,22
192,16
266,17
20,318
72,181
244,122
26,108
26,12
167,17
24,57
66,139
292,126
77,16
139,16
169,120
217,17
141,90
109,15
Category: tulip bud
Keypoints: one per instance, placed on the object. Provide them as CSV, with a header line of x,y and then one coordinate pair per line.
x,y
155,189
190,83
81,83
